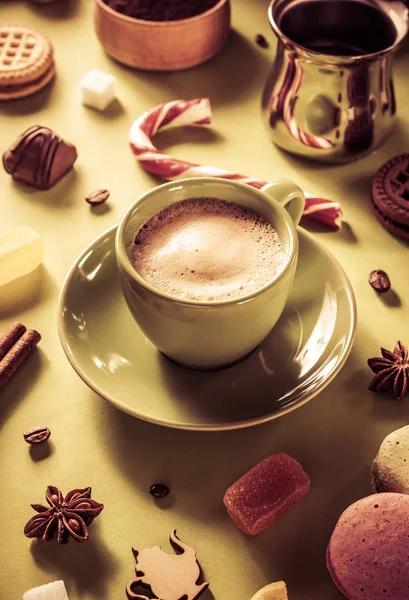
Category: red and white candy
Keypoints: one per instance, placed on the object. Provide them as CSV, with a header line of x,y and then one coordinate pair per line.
x,y
198,112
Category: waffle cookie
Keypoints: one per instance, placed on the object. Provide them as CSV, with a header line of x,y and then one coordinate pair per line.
x,y
390,195
26,62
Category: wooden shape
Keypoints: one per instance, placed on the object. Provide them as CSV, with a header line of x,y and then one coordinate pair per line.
x,y
167,576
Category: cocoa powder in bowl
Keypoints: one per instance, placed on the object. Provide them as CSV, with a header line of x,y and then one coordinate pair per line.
x,y
161,10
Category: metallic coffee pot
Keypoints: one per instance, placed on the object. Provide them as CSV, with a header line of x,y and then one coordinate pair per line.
x,y
330,94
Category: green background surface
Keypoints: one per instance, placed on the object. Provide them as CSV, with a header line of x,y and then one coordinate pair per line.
x,y
335,436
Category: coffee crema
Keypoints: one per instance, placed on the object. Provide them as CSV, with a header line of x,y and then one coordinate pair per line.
x,y
206,249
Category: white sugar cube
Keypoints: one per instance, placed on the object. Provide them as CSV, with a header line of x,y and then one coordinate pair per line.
x,y
50,591
21,251
97,89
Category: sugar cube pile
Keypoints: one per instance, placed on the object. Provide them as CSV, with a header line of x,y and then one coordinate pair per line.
x,y
97,89
273,591
266,492
50,591
21,251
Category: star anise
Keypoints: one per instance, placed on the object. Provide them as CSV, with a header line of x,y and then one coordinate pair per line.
x,y
392,371
63,517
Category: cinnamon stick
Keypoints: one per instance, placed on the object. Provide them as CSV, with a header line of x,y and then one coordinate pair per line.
x,y
11,336
17,355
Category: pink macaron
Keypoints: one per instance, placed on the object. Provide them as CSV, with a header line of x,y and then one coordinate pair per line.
x,y
368,553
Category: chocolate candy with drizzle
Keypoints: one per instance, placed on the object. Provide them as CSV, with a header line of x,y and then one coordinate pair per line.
x,y
39,158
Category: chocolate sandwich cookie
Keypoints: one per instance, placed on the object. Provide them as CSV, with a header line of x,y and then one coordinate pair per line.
x,y
390,195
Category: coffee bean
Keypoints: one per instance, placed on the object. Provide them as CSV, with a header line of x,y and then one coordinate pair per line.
x,y
380,281
97,197
261,41
159,490
37,435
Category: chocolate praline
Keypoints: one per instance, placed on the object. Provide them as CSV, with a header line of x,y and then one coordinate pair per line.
x,y
39,158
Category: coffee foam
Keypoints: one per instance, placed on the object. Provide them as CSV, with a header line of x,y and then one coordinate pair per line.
x,y
207,249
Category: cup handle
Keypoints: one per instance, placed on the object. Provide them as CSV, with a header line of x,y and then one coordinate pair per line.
x,y
289,195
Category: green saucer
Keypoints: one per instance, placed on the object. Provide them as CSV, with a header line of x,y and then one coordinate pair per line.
x,y
303,353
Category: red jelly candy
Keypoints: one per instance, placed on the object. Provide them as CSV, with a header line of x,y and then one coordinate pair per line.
x,y
266,492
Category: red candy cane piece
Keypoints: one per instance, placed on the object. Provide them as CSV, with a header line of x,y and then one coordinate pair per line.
x,y
323,211
198,112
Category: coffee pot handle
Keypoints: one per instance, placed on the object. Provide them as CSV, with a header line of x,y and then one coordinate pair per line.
x,y
289,195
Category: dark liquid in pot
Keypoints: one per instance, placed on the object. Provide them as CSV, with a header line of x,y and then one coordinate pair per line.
x,y
338,27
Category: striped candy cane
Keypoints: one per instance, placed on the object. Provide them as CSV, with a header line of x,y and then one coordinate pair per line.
x,y
198,112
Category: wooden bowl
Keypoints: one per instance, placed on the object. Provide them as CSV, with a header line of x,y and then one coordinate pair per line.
x,y
162,45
